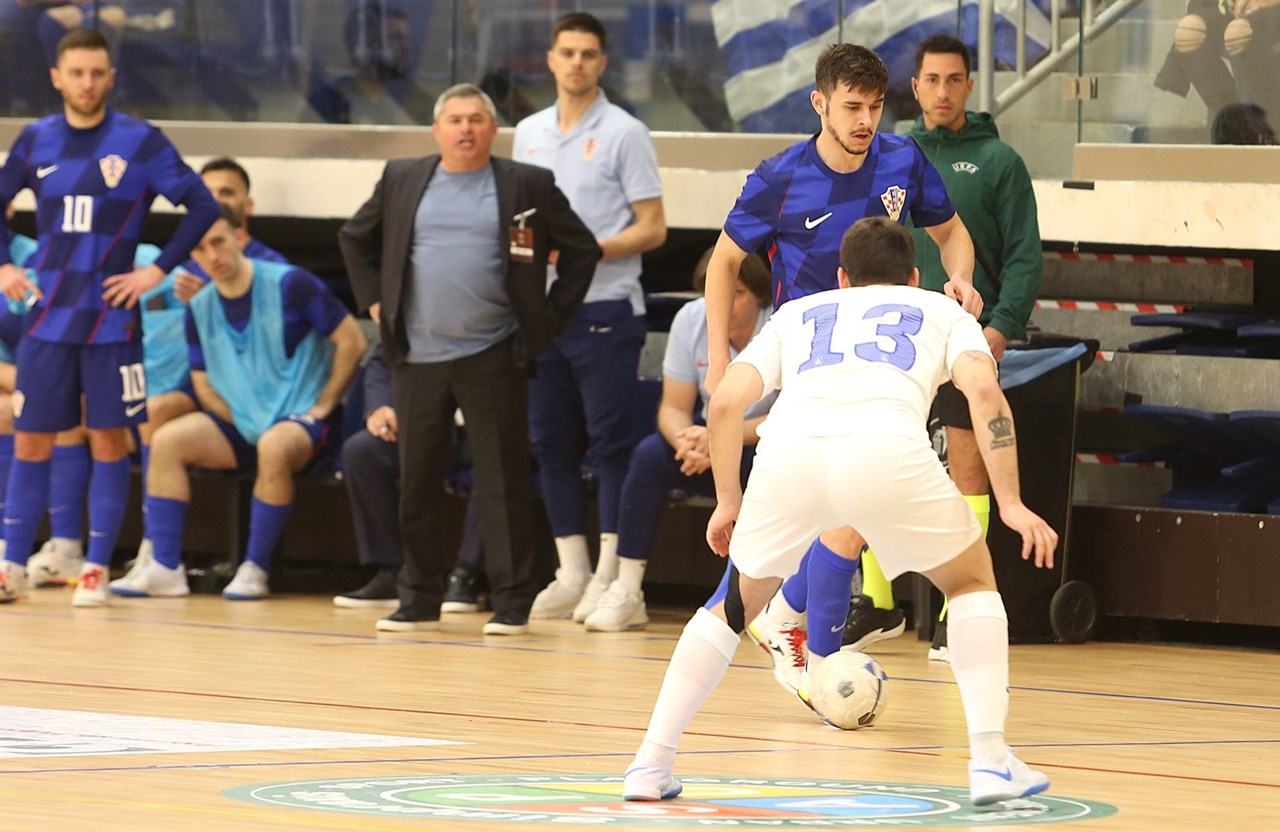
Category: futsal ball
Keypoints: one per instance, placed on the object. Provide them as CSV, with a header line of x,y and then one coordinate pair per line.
x,y
849,690
1190,34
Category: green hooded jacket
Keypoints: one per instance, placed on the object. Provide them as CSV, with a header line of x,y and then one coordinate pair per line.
x,y
991,189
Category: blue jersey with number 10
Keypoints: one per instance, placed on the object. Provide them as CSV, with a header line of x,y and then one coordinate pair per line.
x,y
800,208
93,189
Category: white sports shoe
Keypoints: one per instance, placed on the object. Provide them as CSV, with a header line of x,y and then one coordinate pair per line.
x,y
145,555
58,562
782,633
560,597
619,609
153,580
1009,779
91,587
13,581
249,584
645,780
590,600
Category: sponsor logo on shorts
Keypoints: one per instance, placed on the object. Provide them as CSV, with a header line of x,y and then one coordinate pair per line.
x,y
707,802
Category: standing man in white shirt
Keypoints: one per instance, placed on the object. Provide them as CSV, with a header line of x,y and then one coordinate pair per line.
x,y
605,163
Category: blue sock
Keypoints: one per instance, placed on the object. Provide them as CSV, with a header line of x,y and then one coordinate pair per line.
x,y
266,524
795,590
164,520
108,497
68,486
29,490
829,578
144,458
6,459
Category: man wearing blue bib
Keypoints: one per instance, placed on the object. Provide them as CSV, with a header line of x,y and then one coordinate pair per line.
x,y
271,352
605,163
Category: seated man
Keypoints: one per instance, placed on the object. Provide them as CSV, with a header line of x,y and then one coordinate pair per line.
x,y
677,456
268,383
164,340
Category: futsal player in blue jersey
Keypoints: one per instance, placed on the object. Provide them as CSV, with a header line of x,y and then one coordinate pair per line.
x,y
94,172
272,352
798,205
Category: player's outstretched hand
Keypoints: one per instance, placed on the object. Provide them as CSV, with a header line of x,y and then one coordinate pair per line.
x,y
968,296
185,286
15,284
1038,537
125,289
720,528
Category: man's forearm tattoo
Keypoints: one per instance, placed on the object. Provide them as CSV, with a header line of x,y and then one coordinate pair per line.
x,y
1001,429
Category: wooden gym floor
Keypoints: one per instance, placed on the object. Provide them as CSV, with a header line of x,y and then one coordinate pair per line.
x,y
540,727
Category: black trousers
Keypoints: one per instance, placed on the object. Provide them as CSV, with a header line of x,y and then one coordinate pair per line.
x,y
492,393
370,469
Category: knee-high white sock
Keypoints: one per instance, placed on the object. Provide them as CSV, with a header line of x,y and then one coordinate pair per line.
x,y
607,565
574,557
978,638
700,659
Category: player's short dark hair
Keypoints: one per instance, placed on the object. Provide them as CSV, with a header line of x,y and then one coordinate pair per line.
x,y
942,45
579,22
877,250
850,65
233,218
753,273
227,163
82,39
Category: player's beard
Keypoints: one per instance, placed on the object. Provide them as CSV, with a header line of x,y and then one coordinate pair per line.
x,y
852,151
87,111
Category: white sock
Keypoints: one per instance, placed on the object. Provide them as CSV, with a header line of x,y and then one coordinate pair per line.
x,y
978,639
575,560
779,611
631,572
698,663
607,564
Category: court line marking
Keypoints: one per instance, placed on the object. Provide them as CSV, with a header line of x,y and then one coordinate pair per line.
x,y
935,752
377,640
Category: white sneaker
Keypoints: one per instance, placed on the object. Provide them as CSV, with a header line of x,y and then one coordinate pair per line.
x,y
619,609
13,581
560,597
648,781
58,562
249,584
91,587
782,633
145,555
153,580
590,600
1010,779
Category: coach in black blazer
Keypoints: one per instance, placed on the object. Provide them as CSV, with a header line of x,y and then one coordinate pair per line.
x,y
462,320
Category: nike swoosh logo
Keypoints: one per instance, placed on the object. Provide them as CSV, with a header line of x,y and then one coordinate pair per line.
x,y
837,628
134,410
808,223
1003,775
41,173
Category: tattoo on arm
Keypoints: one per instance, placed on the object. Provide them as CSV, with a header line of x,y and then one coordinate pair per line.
x,y
1001,429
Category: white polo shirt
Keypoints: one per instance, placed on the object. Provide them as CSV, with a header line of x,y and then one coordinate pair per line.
x,y
603,165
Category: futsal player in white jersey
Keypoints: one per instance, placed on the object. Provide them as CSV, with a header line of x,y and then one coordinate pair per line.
x,y
846,445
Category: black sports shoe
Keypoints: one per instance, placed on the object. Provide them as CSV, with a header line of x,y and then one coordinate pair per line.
x,y
460,592
866,625
938,651
402,621
507,623
379,593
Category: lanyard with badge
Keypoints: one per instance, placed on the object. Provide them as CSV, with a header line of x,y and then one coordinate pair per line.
x,y
522,237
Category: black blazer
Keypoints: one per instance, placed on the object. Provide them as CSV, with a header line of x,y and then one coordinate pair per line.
x,y
376,244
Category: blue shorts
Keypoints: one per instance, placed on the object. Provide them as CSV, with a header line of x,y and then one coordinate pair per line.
x,y
247,453
52,377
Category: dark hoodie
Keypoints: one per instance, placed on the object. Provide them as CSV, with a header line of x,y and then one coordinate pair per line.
x,y
991,189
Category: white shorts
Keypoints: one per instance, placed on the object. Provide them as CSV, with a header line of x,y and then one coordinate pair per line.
x,y
892,490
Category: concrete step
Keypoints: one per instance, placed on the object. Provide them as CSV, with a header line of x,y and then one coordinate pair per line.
x,y
1152,282
1111,328
1215,384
